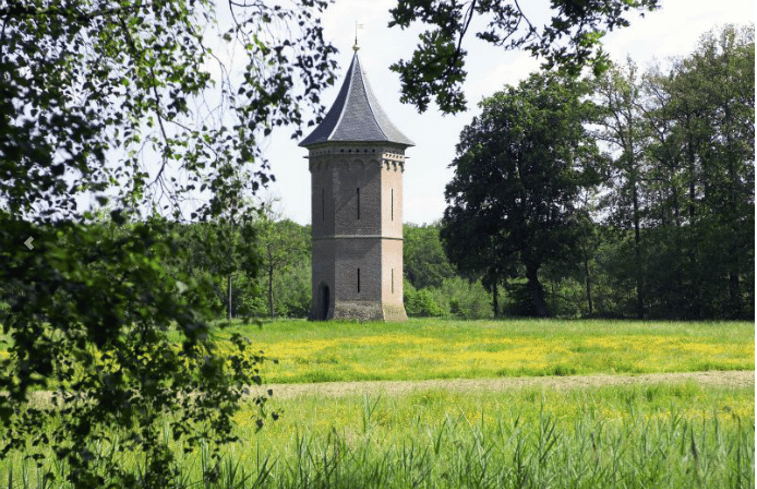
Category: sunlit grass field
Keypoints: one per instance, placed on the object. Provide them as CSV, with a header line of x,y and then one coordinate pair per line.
x,y
668,435
437,349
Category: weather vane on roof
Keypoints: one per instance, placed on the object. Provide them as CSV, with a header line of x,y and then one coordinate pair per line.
x,y
357,26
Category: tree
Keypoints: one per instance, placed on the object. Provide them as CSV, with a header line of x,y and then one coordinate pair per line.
x,y
224,250
292,288
681,197
721,72
626,131
708,106
424,262
437,66
520,165
113,101
282,244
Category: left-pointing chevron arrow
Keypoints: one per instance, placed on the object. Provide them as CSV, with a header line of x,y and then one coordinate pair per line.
x,y
28,243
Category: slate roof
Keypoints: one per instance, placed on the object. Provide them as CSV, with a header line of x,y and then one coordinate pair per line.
x,y
356,115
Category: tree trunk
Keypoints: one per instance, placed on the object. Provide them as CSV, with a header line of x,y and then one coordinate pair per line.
x,y
637,254
588,285
270,291
734,293
495,301
734,288
676,208
536,291
228,304
554,296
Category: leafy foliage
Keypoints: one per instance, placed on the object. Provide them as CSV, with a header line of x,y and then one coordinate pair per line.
x,y
112,101
421,303
224,251
424,261
282,245
625,130
437,66
265,262
683,179
86,78
519,170
93,322
666,232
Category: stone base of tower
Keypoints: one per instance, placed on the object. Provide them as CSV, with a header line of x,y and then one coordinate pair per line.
x,y
368,311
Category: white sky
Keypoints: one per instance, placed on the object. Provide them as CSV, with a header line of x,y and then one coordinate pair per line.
x,y
672,31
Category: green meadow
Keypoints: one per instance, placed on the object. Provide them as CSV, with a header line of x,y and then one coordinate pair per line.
x,y
437,349
667,435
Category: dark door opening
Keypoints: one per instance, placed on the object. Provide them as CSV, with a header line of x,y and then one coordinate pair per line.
x,y
323,309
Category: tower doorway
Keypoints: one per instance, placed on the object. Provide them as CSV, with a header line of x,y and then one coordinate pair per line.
x,y
324,299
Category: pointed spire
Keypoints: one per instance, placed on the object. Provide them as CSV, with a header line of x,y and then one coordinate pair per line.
x,y
356,115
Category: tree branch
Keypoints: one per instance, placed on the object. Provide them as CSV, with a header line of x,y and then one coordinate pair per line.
x,y
469,14
16,10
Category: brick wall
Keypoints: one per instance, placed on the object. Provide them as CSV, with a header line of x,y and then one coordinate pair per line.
x,y
357,230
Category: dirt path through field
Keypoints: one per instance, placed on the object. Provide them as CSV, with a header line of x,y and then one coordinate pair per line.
x,y
739,378
389,387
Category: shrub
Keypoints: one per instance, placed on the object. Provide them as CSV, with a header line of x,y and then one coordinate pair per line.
x,y
422,303
466,300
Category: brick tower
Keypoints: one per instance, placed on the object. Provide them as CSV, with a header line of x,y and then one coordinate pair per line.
x,y
356,159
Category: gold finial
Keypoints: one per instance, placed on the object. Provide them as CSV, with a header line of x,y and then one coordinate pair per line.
x,y
357,26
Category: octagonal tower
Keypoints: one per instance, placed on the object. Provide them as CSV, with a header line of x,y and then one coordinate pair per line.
x,y
356,160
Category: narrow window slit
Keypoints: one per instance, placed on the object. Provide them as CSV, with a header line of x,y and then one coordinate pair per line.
x,y
392,200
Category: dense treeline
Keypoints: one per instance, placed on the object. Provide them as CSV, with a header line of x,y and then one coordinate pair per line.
x,y
628,195
680,201
259,267
681,198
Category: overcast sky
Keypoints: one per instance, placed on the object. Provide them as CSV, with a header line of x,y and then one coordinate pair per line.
x,y
672,31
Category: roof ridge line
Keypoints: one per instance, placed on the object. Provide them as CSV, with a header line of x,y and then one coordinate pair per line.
x,y
368,96
346,99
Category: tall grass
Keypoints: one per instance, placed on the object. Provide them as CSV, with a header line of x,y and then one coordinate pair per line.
x,y
681,435
634,436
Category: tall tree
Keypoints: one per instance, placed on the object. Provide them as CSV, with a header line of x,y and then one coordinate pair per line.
x,y
682,191
672,269
713,92
624,128
424,261
282,244
113,100
437,66
520,166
